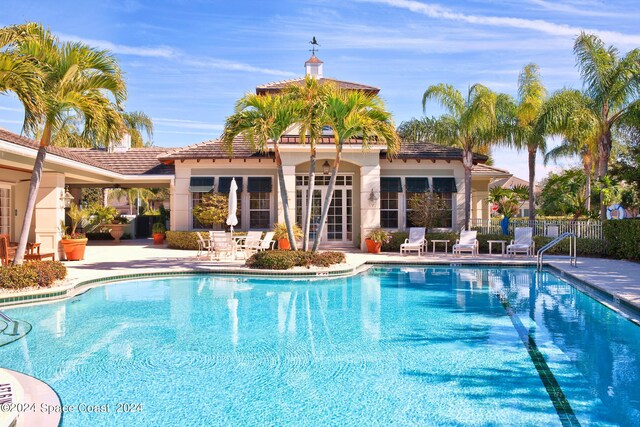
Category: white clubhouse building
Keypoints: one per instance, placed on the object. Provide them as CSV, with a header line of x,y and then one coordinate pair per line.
x,y
371,190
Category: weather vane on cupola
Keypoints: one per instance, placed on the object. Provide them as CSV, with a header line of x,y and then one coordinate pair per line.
x,y
314,43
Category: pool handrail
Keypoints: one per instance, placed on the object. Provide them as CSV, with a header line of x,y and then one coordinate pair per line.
x,y
10,320
573,256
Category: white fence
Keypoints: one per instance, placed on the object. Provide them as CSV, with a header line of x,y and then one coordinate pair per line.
x,y
589,229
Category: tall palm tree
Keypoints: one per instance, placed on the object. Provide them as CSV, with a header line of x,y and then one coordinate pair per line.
x,y
19,74
137,123
354,114
526,134
470,124
262,119
569,114
74,77
311,95
612,83
132,194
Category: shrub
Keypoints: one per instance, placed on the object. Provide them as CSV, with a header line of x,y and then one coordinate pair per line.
x,y
32,274
623,238
284,260
182,239
397,238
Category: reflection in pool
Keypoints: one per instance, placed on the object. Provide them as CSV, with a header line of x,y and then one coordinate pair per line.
x,y
393,346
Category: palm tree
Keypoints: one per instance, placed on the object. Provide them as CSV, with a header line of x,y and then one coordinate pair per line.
x,y
132,194
470,124
19,74
261,119
354,114
137,123
612,84
525,134
311,95
74,77
568,113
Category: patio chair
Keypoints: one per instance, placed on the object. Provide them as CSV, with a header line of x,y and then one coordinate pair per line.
x,y
5,257
203,245
416,241
222,244
467,242
522,242
250,244
267,241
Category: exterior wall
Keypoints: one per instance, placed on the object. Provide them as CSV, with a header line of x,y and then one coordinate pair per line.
x,y
181,198
479,203
439,169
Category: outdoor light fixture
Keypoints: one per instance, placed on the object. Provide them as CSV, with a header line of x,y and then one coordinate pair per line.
x,y
325,167
373,198
66,198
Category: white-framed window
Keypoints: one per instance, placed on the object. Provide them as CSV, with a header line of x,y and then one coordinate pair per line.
x,y
390,191
5,210
259,210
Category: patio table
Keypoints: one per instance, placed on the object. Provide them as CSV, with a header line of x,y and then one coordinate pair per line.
x,y
433,245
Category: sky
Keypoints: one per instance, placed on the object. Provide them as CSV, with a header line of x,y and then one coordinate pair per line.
x,y
188,61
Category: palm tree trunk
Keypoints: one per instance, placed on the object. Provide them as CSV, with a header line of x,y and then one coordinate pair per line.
x,y
34,186
307,213
586,164
468,164
283,196
604,152
532,183
328,197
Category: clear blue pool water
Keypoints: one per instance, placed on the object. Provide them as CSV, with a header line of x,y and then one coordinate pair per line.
x,y
393,346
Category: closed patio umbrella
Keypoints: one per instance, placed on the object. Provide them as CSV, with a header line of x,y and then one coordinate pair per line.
x,y
232,219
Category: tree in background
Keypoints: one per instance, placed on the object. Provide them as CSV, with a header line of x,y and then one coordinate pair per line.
x,y
563,194
470,124
213,210
427,210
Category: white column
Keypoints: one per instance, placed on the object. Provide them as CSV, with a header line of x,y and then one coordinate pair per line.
x,y
49,213
369,209
290,183
181,201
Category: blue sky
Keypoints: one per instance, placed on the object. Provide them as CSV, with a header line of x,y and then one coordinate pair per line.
x,y
188,61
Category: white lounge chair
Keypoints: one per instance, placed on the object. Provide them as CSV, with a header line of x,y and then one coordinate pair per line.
x,y
250,244
222,244
267,241
203,245
416,241
467,242
522,242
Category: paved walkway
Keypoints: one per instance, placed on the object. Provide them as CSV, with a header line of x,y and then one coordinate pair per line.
x,y
106,259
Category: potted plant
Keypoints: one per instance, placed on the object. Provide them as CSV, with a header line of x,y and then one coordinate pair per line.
x,y
74,243
158,233
117,226
508,201
281,235
375,239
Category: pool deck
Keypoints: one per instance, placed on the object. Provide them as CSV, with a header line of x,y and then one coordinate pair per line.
x,y
620,279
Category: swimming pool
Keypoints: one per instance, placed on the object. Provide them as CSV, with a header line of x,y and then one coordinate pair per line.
x,y
392,346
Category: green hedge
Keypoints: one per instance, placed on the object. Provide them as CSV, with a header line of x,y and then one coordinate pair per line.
x,y
182,239
284,260
623,238
30,274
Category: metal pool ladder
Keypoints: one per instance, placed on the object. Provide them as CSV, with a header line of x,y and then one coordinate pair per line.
x,y
573,256
10,320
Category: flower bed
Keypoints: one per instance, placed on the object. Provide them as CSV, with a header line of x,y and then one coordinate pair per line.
x,y
284,260
32,274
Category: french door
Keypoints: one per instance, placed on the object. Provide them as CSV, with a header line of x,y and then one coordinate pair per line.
x,y
339,224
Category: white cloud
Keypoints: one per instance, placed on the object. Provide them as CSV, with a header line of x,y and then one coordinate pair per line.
x,y
581,8
18,110
223,64
186,124
155,52
561,30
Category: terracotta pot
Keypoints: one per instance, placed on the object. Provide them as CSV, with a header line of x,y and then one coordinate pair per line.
x,y
74,249
284,244
117,231
158,238
373,247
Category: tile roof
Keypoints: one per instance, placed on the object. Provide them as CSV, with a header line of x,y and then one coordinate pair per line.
x,y
137,161
314,60
212,149
274,87
428,150
487,170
